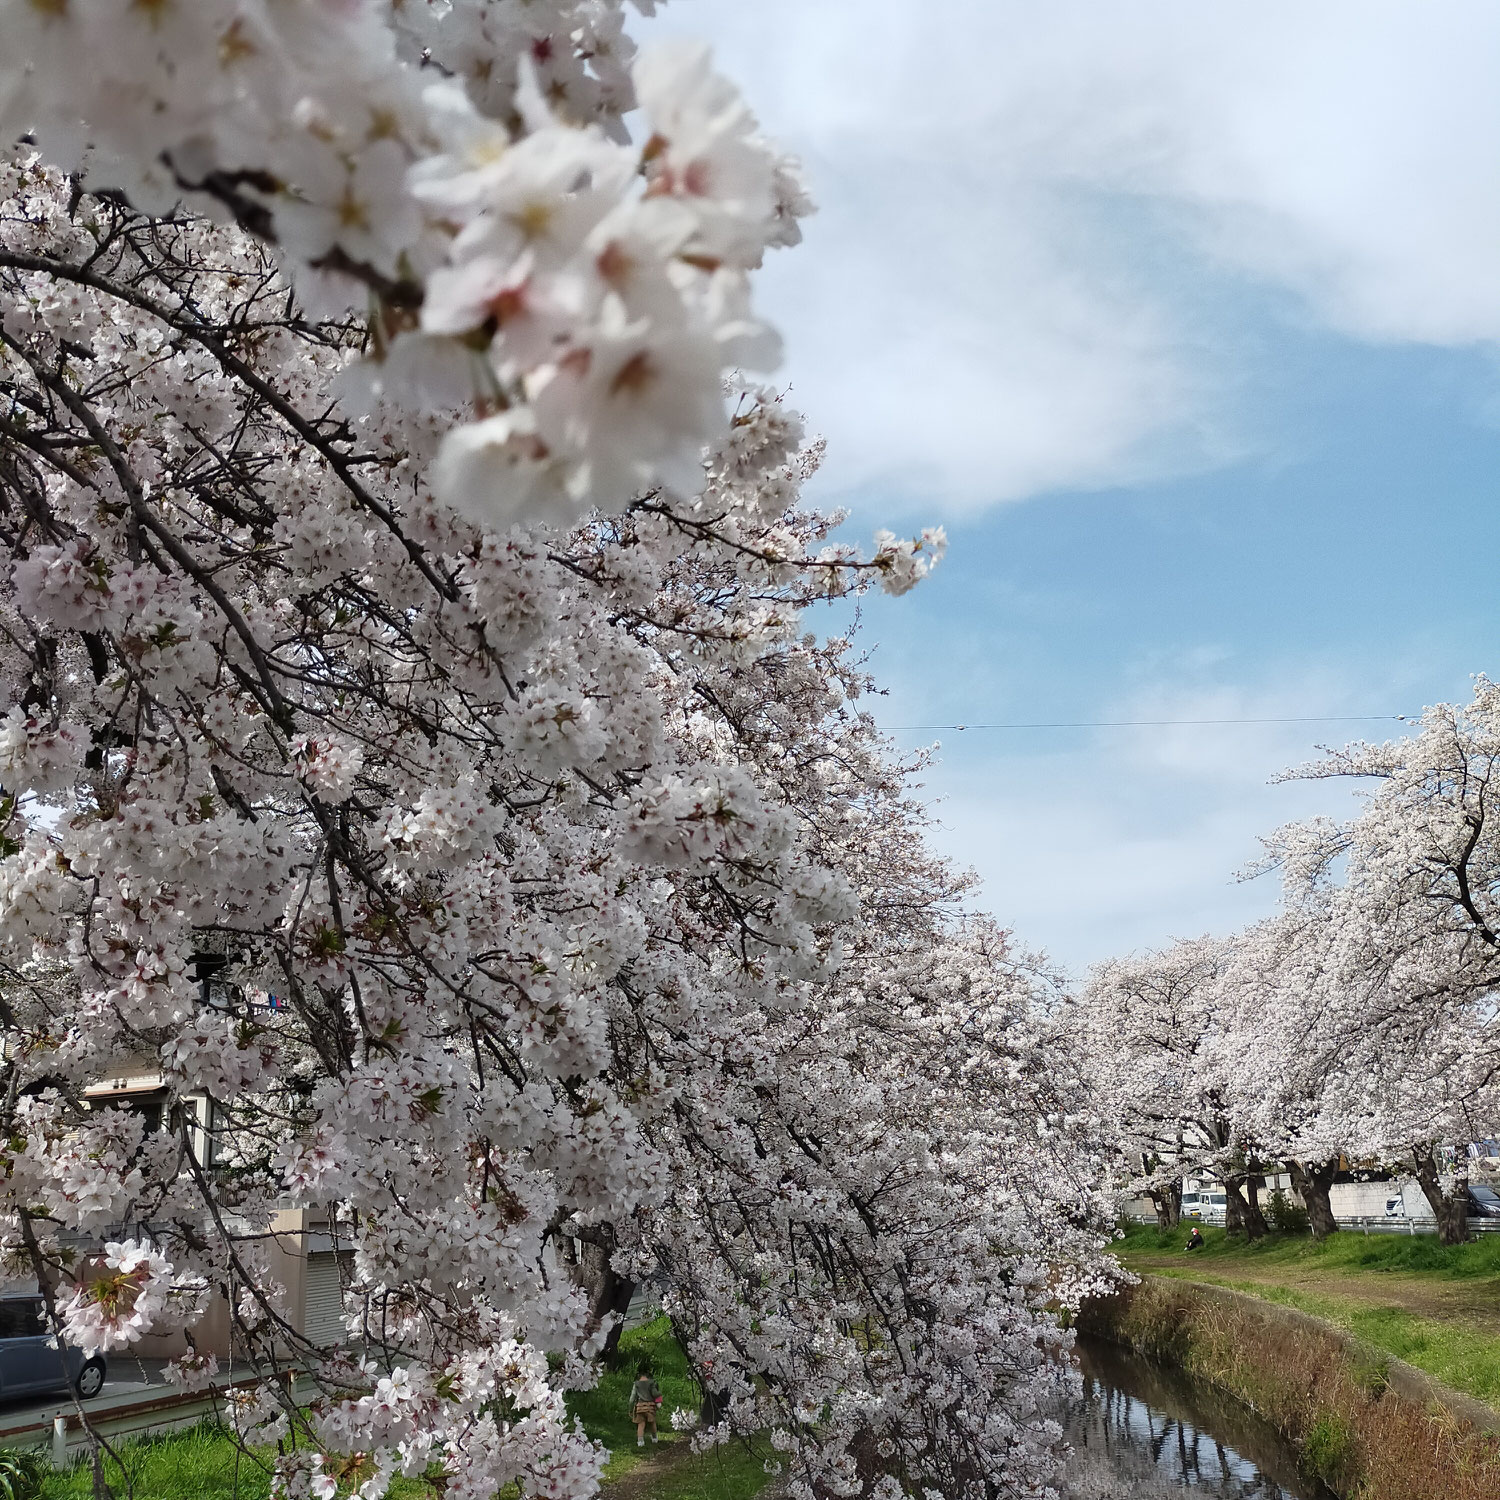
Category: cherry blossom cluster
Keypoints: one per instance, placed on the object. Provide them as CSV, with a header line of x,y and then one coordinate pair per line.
x,y
116,1298
194,1371
459,173
535,897
952,1130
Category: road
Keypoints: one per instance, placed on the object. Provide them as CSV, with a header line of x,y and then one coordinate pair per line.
x,y
126,1378
135,1400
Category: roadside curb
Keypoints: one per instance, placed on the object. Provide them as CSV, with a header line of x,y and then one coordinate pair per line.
x,y
129,1417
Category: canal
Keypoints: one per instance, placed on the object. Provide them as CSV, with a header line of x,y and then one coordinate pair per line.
x,y
1145,1431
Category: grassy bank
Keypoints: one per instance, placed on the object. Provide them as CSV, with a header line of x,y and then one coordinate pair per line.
x,y
1435,1306
1467,1360
1347,1251
199,1463
205,1463
1329,1396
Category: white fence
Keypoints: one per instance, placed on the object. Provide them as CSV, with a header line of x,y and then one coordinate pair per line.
x,y
1388,1224
1361,1223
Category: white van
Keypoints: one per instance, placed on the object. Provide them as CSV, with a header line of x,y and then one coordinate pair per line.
x,y
1207,1207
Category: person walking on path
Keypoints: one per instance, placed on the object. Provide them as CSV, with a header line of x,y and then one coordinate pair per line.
x,y
645,1398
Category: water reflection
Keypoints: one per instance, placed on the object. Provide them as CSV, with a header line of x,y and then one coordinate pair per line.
x,y
1147,1432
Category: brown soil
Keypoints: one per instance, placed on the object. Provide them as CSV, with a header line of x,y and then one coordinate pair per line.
x,y
640,1483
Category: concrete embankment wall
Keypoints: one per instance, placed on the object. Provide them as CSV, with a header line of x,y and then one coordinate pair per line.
x,y
1370,1426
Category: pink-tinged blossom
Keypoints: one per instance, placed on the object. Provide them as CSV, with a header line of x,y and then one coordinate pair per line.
x,y
903,563
193,1371
493,471
705,150
636,402
328,764
38,755
117,1298
311,1171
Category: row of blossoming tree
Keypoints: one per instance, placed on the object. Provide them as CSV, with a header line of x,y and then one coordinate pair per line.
x,y
407,609
1360,1025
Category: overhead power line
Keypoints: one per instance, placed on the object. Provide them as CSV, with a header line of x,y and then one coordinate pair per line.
x,y
1153,723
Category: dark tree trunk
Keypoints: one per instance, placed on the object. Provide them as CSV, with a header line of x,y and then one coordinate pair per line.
x,y
1243,1211
1450,1209
608,1292
1167,1201
1314,1182
1255,1221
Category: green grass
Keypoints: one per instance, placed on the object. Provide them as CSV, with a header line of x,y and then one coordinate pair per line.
x,y
1348,1250
1328,1449
605,1410
732,1471
205,1463
202,1463
21,1472
199,1463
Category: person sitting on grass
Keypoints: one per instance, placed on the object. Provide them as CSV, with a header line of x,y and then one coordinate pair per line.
x,y
1195,1240
645,1397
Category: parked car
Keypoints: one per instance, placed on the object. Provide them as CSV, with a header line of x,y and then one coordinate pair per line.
x,y
30,1364
1484,1202
1207,1208
1395,1208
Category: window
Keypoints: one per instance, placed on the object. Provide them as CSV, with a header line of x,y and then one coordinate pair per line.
x,y
147,1102
21,1318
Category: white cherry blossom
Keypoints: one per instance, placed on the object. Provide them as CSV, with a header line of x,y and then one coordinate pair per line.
x,y
435,657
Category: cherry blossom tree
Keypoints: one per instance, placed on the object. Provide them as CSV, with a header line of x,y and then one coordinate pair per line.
x,y
1358,1024
1409,963
1162,1048
1273,1004
595,908
947,1135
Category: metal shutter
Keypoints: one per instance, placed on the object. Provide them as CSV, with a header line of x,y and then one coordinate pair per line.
x,y
324,1319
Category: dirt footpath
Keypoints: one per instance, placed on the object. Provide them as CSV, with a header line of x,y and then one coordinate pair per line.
x,y
640,1483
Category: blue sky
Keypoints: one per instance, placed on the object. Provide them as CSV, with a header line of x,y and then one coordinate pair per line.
x,y
1183,320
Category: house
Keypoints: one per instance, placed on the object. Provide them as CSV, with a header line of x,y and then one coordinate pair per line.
x,y
305,1254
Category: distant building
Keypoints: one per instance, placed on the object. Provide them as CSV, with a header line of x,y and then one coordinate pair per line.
x,y
305,1252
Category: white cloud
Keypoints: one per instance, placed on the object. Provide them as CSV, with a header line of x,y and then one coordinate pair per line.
x,y
1036,216
1099,842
